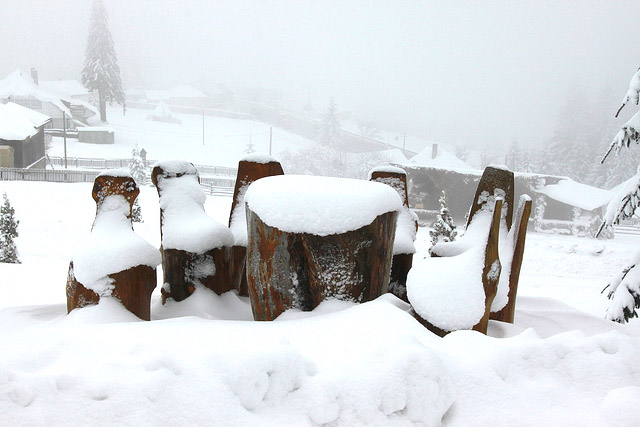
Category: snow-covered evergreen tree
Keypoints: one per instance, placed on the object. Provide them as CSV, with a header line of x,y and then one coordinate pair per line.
x,y
443,229
101,71
139,174
137,168
624,289
8,232
329,132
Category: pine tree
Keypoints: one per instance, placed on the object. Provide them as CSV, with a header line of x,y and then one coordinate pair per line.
x,y
101,72
624,288
139,174
8,232
443,229
329,132
137,168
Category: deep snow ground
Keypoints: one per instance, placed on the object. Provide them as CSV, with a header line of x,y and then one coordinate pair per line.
x,y
341,364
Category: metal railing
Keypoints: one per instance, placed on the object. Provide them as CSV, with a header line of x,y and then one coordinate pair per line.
x,y
98,163
210,185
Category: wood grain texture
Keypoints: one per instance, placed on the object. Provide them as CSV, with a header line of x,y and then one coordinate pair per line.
x,y
248,172
299,270
401,263
507,314
132,287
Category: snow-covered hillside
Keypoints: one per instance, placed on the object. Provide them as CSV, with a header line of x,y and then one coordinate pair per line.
x,y
341,364
226,140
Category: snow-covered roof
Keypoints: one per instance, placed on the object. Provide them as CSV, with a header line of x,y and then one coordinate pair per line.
x,y
443,159
19,84
64,87
162,111
18,123
575,194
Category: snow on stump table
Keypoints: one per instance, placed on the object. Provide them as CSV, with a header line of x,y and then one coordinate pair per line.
x,y
113,261
456,292
311,238
406,229
251,168
195,248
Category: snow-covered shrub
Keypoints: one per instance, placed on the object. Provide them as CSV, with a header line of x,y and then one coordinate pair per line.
x,y
8,232
443,228
139,174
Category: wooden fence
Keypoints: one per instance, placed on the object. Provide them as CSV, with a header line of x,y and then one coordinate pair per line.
x,y
210,185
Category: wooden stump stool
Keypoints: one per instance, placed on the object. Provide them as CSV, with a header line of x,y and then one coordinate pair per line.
x,y
406,229
250,169
114,261
195,248
311,238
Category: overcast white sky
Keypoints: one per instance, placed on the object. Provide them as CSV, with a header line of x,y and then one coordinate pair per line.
x,y
459,71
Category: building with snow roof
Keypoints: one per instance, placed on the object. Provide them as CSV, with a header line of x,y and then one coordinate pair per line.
x,y
22,136
560,204
24,89
71,89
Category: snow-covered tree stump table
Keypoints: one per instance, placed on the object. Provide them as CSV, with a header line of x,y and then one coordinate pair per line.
x,y
250,169
195,248
310,238
456,292
406,229
113,261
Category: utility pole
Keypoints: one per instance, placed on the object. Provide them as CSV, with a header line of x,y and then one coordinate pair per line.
x,y
64,136
404,143
203,126
270,138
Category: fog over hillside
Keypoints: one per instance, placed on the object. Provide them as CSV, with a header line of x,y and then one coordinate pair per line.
x,y
462,72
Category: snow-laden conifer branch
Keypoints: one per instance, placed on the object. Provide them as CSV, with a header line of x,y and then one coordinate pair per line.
x,y
629,133
633,93
623,205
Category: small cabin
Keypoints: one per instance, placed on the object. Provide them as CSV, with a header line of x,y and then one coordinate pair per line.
x,y
22,137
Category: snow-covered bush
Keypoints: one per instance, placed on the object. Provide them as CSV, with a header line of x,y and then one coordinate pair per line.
x,y
8,232
443,228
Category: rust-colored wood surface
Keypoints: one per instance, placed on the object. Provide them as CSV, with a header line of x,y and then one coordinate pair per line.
x,y
132,287
495,182
248,172
238,270
395,180
290,270
401,263
183,270
507,314
77,295
400,266
491,269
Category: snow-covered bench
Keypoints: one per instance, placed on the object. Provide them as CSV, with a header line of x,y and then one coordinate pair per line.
x,y
314,237
456,291
113,261
496,183
251,168
195,248
406,229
